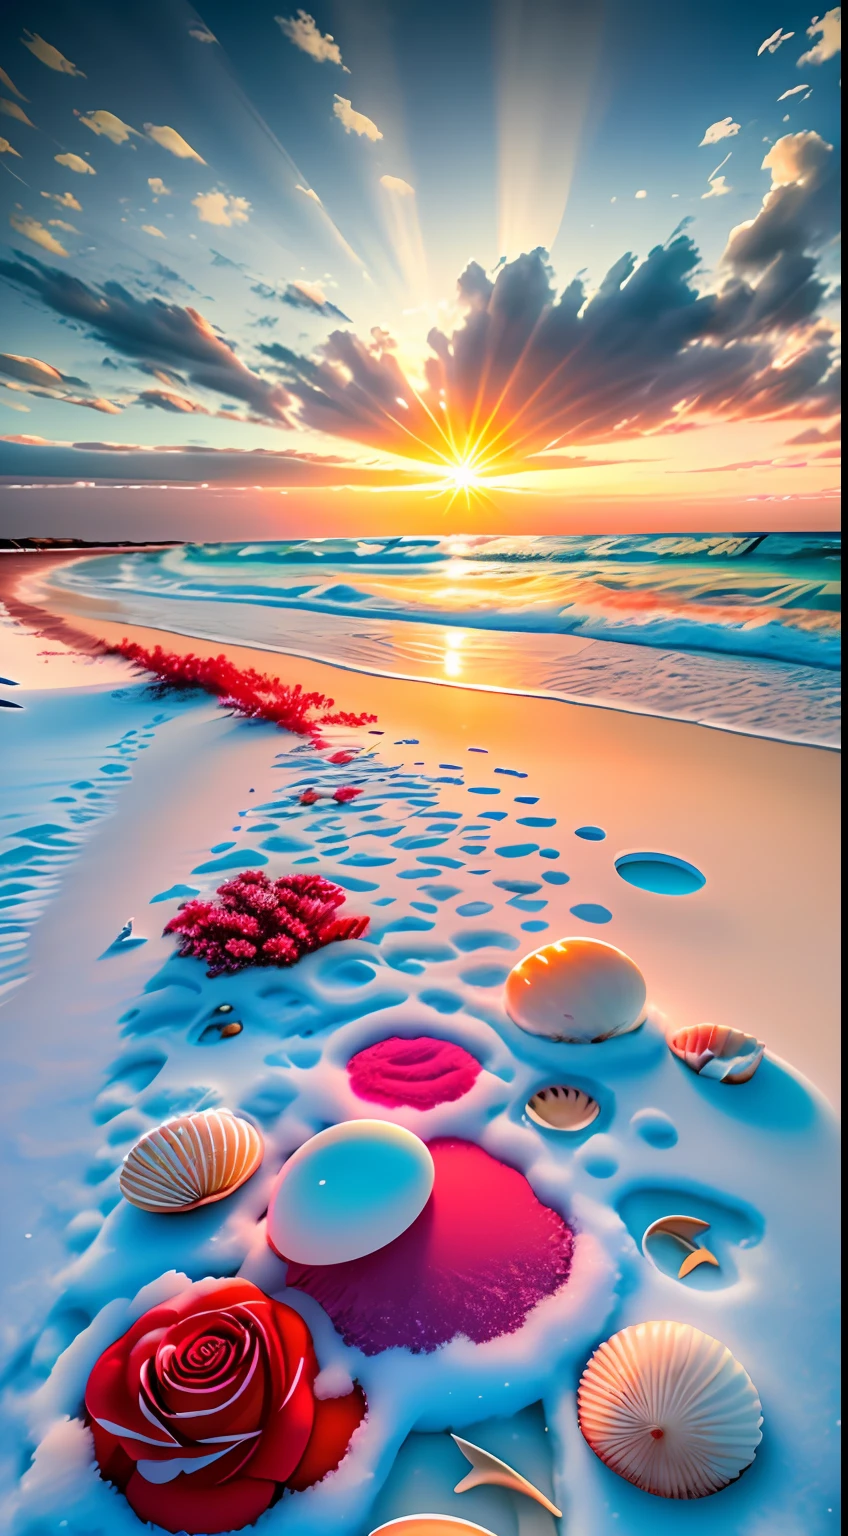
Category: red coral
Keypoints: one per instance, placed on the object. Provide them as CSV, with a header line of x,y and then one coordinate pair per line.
x,y
249,693
263,922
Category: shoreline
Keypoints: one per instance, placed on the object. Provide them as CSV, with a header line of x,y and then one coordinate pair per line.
x,y
68,611
755,948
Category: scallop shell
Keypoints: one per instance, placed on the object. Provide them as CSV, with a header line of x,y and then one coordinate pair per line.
x,y
563,1109
191,1161
577,990
714,1050
670,1409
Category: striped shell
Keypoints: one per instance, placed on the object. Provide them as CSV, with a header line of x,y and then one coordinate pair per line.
x,y
563,1109
714,1050
670,1409
191,1161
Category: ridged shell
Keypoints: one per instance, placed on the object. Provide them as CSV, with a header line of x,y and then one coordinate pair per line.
x,y
191,1161
563,1109
670,1409
714,1050
577,990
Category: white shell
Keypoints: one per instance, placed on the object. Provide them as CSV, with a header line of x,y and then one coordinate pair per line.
x,y
577,990
563,1109
431,1525
191,1161
715,1050
348,1191
670,1409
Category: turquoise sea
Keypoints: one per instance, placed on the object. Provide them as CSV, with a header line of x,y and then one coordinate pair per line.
x,y
736,631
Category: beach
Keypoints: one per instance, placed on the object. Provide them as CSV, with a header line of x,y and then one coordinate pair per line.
x,y
167,794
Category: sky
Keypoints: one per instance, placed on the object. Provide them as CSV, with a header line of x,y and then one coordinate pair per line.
x,y
408,265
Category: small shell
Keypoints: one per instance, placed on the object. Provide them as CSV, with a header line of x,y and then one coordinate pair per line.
x,y
563,1109
670,1409
714,1050
191,1161
685,1229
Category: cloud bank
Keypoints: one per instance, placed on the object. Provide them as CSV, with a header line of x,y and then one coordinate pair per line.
x,y
647,352
154,334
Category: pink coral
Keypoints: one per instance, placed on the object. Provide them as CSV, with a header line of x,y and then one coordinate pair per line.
x,y
263,922
250,693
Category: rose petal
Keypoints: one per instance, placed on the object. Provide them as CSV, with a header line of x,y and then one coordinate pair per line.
x,y
336,1418
182,1506
114,1463
291,1414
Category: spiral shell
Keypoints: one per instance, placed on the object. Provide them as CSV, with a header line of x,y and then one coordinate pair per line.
x,y
670,1409
191,1161
715,1050
563,1109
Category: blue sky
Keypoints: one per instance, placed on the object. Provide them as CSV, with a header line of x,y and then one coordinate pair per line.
x,y
280,186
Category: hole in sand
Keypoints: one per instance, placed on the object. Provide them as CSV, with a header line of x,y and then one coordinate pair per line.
x,y
662,873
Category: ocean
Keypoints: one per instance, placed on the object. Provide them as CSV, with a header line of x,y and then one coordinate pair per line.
x,y
735,631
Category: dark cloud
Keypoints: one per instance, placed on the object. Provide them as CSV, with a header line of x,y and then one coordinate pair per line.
x,y
301,296
151,332
23,456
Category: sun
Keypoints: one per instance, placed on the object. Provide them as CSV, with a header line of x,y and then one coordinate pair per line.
x,y
463,475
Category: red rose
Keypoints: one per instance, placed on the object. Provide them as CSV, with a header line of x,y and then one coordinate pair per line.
x,y
204,1410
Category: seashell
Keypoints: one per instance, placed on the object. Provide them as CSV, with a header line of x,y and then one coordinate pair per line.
x,y
348,1191
670,1409
488,1469
714,1050
431,1525
577,990
563,1109
685,1229
191,1161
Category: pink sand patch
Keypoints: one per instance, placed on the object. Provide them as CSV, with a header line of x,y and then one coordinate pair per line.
x,y
418,1074
480,1256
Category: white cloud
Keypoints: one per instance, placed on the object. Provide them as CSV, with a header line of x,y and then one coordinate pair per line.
x,y
304,32
108,124
150,229
355,122
795,91
641,193
157,186
718,188
830,41
398,185
168,138
773,43
10,86
62,224
11,109
308,192
32,230
725,129
6,148
220,208
76,163
64,200
50,55
201,34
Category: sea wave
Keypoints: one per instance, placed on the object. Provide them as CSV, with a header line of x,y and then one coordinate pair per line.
x,y
736,631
